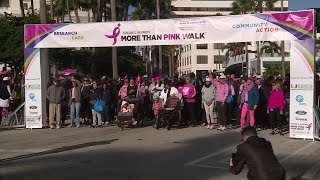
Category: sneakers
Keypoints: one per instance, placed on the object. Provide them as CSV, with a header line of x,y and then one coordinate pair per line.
x,y
58,127
223,128
78,126
107,123
51,127
135,123
208,127
211,127
70,126
219,128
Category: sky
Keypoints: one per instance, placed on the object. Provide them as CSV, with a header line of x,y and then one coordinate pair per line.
x,y
303,4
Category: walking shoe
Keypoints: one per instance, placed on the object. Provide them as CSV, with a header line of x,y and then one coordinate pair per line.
x,y
51,127
223,128
211,127
58,127
78,126
203,124
107,123
219,128
208,126
70,126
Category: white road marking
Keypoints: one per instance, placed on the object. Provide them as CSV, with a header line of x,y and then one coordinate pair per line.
x,y
296,152
196,161
212,167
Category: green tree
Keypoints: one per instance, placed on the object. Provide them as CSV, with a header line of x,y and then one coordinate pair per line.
x,y
276,69
270,47
11,38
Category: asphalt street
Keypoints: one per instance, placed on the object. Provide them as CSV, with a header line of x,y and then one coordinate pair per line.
x,y
140,153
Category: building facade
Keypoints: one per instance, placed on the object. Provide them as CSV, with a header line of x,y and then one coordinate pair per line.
x,y
13,6
204,57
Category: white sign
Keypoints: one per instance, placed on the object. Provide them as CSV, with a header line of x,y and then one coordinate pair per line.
x,y
223,29
302,89
33,108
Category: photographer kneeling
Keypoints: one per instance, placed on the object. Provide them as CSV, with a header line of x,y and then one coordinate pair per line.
x,y
257,154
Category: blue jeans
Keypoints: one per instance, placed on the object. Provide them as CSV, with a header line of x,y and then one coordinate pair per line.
x,y
75,113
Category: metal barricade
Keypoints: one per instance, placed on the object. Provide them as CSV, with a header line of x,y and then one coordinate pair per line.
x,y
14,119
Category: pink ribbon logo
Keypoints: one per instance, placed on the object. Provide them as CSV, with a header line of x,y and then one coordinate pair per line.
x,y
116,33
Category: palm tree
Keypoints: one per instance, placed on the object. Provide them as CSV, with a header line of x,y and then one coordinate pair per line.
x,y
243,7
260,5
32,7
270,47
68,10
75,4
51,10
22,8
88,5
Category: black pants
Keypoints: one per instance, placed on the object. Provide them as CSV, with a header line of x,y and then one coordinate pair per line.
x,y
105,114
190,110
275,118
229,110
85,109
260,116
221,113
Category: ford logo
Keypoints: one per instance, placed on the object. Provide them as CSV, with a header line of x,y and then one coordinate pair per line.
x,y
301,112
33,107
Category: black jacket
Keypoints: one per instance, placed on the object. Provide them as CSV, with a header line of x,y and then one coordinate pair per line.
x,y
257,154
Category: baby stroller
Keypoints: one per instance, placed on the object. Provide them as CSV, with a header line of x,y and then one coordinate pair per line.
x,y
169,114
125,114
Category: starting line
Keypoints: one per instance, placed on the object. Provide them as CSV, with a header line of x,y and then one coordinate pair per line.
x,y
223,156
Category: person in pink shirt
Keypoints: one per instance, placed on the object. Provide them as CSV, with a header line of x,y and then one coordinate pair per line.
x,y
188,92
222,92
275,107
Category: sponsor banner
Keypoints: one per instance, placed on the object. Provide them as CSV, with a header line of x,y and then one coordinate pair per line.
x,y
214,29
302,89
33,109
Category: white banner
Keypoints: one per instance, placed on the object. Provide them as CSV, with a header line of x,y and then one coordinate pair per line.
x,y
302,89
33,108
217,29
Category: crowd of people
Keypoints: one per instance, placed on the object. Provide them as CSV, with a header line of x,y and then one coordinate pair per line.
x,y
216,101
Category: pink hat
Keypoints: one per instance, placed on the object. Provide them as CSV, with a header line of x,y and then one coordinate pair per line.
x,y
157,78
251,78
